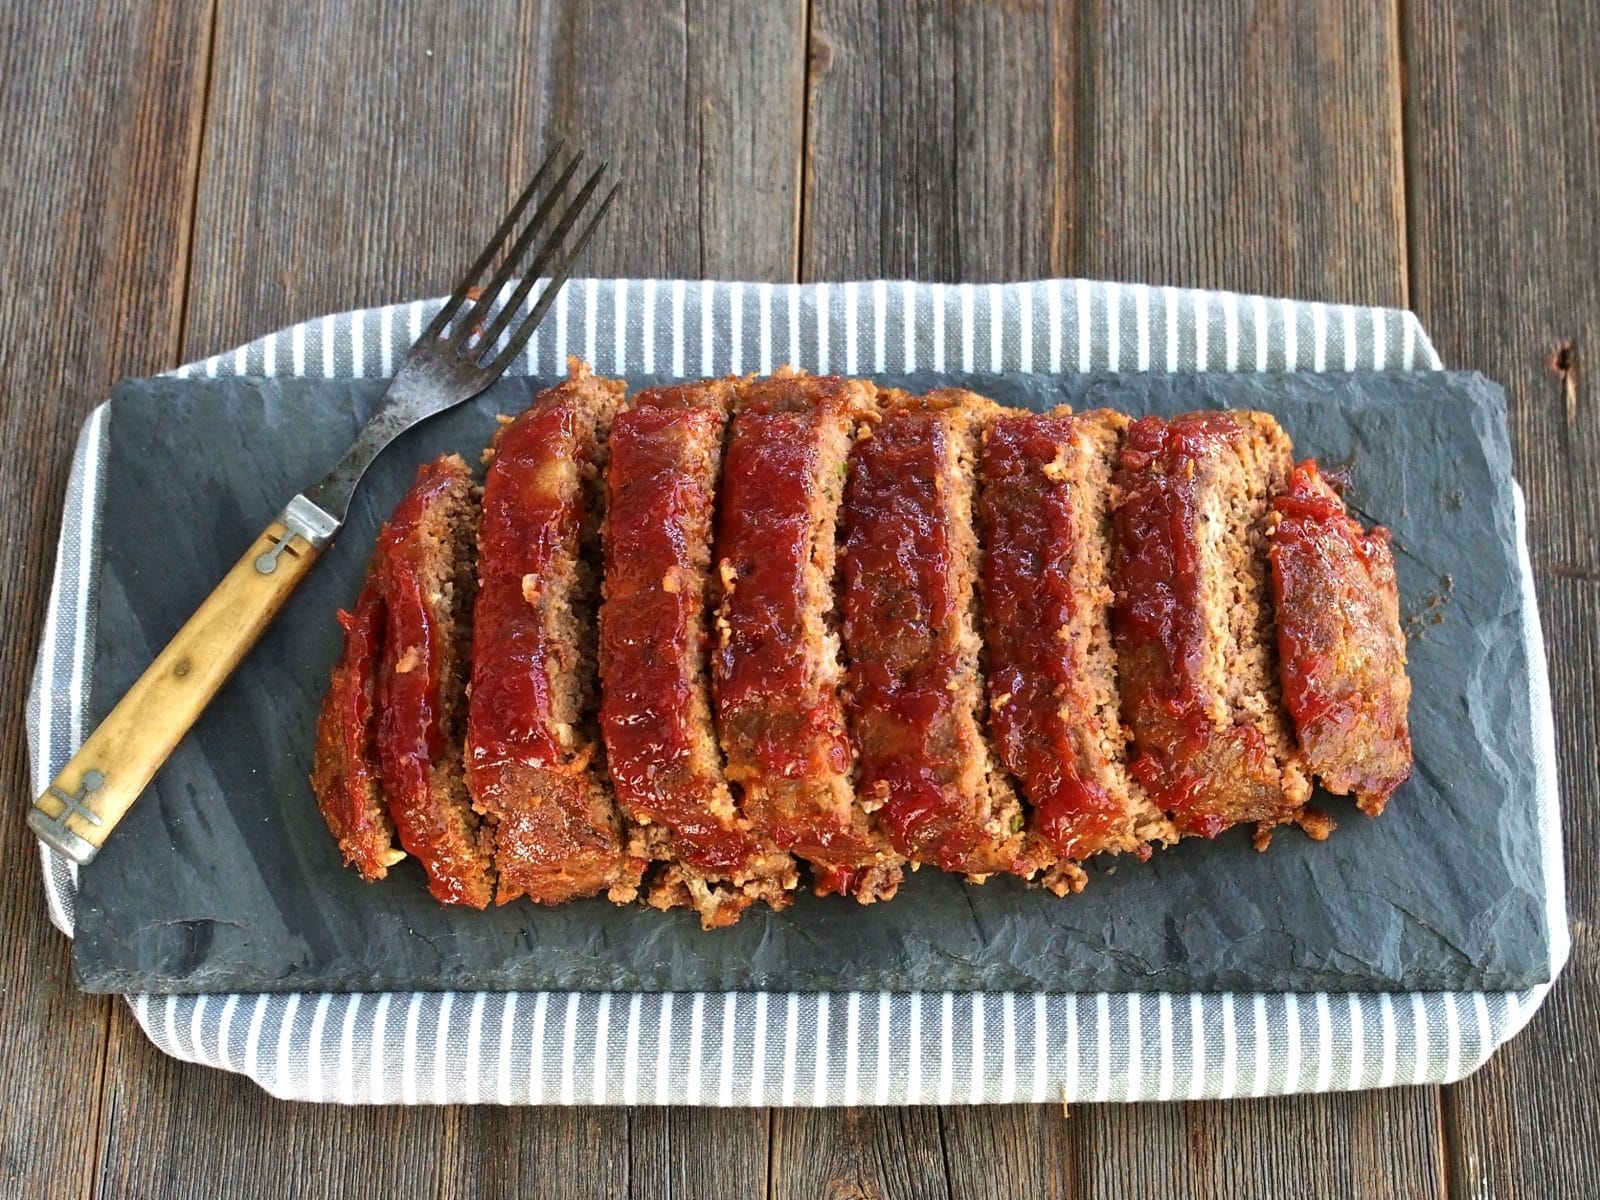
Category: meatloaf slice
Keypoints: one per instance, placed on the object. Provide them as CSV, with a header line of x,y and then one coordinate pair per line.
x,y
776,670
1193,622
665,454
910,566
1047,626
344,773
1341,650
534,760
425,557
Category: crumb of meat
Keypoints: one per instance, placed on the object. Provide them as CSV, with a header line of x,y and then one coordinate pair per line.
x,y
1316,823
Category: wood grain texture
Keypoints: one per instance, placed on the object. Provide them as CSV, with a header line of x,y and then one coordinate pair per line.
x,y
101,121
697,1153
1255,147
355,154
939,140
1000,1152
1502,110
245,1144
698,104
1339,1145
850,1153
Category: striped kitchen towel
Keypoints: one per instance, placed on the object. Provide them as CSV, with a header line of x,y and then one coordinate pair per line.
x,y
841,1049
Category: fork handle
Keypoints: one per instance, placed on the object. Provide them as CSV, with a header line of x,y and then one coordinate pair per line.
x,y
95,790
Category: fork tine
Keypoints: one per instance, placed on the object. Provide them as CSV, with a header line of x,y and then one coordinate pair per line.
x,y
558,278
546,250
437,325
475,316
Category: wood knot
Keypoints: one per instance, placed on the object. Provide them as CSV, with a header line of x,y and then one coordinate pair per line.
x,y
1563,361
821,54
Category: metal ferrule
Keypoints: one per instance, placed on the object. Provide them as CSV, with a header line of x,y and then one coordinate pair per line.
x,y
53,832
311,522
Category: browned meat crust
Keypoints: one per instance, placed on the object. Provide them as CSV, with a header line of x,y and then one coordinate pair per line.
x,y
1340,644
1047,629
665,454
776,673
425,562
1193,625
533,753
910,565
344,774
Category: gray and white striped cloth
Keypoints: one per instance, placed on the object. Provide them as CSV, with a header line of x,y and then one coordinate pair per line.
x,y
791,1049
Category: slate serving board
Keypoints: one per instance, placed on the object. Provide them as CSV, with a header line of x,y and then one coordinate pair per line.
x,y
224,878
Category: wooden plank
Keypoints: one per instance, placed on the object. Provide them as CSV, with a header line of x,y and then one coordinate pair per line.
x,y
999,1152
101,120
350,159
699,105
1257,150
859,1152
697,1153
357,158
242,1143
410,155
1346,1144
939,141
1501,113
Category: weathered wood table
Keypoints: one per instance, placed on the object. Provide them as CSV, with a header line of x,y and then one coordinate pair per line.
x,y
182,175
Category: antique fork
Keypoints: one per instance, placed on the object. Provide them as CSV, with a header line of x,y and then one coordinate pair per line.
x,y
457,356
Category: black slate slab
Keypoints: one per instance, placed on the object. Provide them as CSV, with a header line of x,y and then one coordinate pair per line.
x,y
224,878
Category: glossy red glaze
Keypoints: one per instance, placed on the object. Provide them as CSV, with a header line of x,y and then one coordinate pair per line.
x,y
785,731
1307,693
1157,551
1160,626
1028,599
1313,530
525,525
660,505
1339,642
901,611
764,527
411,735
528,763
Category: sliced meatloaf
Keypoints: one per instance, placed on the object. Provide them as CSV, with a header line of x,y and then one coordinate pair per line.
x,y
910,561
1196,647
1047,628
534,759
776,669
344,773
1341,649
665,455
425,557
